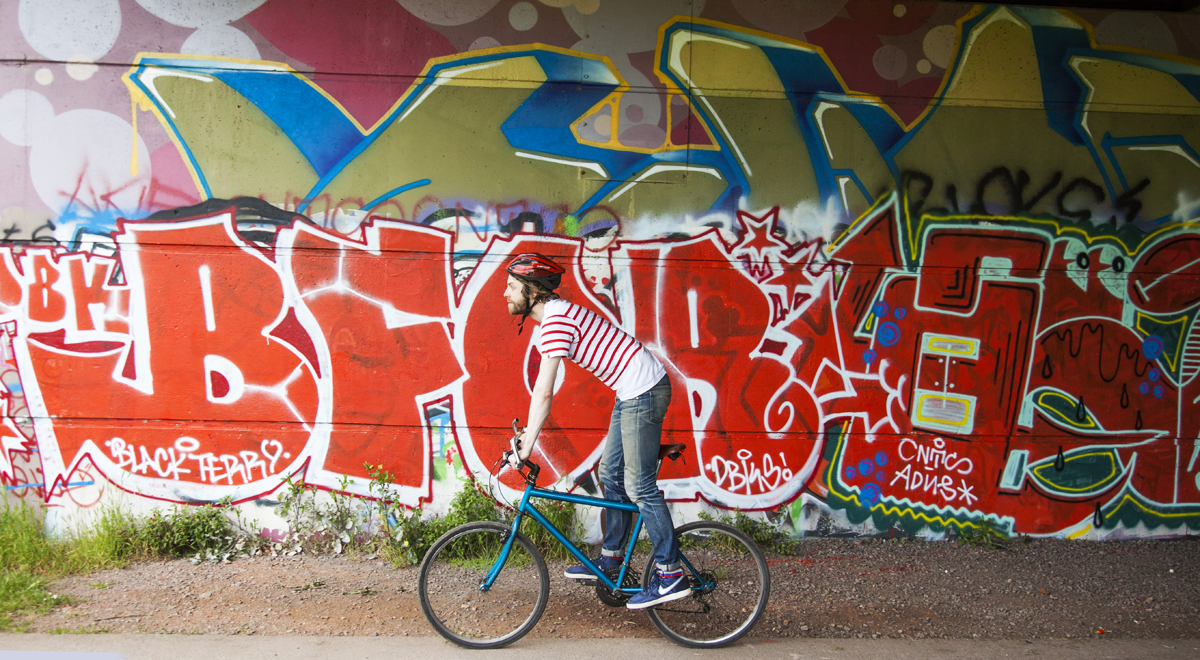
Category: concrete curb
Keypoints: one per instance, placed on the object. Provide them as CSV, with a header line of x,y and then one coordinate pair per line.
x,y
229,647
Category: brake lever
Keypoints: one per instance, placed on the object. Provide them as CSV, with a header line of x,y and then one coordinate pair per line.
x,y
508,453
516,439
534,468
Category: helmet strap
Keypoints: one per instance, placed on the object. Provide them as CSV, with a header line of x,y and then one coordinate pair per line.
x,y
524,316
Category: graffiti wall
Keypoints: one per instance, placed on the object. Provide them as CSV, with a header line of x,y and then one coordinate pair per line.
x,y
912,267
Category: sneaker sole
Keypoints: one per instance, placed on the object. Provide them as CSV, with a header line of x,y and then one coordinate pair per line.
x,y
660,600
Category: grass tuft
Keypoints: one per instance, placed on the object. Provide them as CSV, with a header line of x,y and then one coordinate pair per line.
x,y
22,592
29,561
79,630
415,535
985,537
769,535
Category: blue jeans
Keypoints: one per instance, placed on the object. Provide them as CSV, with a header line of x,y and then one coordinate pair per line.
x,y
628,472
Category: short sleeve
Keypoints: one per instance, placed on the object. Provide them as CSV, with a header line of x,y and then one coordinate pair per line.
x,y
557,336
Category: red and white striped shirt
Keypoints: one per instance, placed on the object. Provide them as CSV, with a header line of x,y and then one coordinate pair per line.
x,y
584,337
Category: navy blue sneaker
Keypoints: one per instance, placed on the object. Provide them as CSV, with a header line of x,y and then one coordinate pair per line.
x,y
603,562
663,588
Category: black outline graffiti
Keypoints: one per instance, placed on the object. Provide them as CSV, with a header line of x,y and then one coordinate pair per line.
x,y
1083,215
918,186
1015,189
1127,200
34,237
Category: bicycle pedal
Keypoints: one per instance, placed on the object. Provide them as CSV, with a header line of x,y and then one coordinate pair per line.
x,y
588,583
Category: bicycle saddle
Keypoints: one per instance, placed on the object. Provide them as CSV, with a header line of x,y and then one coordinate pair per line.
x,y
671,451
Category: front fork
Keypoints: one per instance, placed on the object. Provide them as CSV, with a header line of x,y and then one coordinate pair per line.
x,y
509,537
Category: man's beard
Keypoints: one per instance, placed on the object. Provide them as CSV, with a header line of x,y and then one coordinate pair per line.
x,y
521,309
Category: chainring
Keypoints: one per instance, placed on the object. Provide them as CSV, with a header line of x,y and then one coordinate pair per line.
x,y
618,599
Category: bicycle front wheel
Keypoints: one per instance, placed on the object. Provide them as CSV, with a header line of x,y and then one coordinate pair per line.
x,y
451,579
730,587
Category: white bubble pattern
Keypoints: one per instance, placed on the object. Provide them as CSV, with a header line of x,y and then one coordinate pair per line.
x,y
23,115
83,157
60,29
221,41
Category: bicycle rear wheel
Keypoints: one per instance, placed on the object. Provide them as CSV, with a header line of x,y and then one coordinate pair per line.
x,y
450,580
730,587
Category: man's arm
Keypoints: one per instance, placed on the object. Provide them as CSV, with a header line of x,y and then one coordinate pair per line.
x,y
539,405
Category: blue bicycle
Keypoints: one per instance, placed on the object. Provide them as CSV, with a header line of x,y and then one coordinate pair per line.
x,y
485,585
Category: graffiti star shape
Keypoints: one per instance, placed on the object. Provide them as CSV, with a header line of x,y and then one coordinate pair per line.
x,y
967,493
760,249
794,287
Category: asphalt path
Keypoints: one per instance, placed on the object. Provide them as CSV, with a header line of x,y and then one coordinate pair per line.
x,y
235,647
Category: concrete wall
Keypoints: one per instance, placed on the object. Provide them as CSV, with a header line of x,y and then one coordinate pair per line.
x,y
912,265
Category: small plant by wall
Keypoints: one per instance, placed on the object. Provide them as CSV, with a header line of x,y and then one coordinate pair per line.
x,y
768,534
334,522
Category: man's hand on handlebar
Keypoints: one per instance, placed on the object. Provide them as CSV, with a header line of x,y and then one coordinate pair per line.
x,y
521,447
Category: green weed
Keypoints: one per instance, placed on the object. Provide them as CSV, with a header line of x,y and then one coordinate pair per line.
x,y
29,560
179,532
23,546
79,630
471,504
22,592
984,536
381,526
561,515
414,534
769,535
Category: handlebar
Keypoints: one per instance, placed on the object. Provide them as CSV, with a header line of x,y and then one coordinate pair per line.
x,y
531,476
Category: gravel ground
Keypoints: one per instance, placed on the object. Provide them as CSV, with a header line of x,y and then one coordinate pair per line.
x,y
829,588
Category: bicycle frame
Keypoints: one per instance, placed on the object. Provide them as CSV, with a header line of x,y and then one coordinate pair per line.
x,y
525,507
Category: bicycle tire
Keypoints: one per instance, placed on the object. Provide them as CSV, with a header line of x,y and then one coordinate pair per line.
x,y
727,557
455,567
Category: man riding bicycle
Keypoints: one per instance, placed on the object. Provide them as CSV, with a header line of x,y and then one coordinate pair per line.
x,y
628,468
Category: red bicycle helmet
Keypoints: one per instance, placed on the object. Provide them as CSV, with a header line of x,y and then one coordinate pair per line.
x,y
538,268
